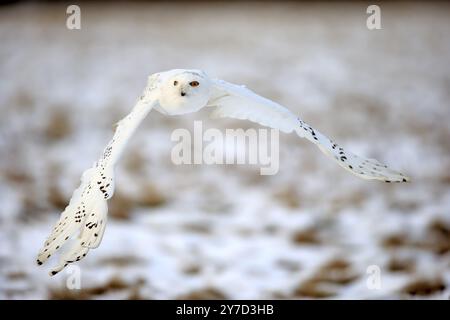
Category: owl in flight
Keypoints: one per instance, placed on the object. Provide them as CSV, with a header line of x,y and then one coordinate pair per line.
x,y
178,92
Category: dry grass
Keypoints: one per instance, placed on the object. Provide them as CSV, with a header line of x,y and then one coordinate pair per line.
x,y
115,284
59,125
424,287
401,265
326,282
203,294
307,236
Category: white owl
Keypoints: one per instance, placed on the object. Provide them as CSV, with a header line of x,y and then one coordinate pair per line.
x,y
177,92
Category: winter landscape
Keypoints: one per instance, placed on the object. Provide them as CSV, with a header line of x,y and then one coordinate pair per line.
x,y
224,231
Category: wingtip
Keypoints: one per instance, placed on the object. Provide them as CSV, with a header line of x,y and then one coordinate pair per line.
x,y
62,264
404,178
401,179
56,270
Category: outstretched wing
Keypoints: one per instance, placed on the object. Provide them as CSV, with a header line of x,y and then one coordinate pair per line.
x,y
83,220
239,102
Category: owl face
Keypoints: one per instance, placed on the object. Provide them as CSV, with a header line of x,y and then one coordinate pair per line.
x,y
184,92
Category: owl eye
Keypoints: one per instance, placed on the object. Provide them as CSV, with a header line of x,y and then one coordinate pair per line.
x,y
194,83
175,82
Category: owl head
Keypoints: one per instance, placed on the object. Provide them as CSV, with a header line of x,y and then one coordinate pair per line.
x,y
184,91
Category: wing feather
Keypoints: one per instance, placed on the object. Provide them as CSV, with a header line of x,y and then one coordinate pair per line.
x,y
239,102
83,220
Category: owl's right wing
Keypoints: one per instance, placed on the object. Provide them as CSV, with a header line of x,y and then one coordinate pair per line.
x,y
237,101
84,219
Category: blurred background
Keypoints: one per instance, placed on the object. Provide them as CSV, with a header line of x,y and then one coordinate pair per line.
x,y
197,232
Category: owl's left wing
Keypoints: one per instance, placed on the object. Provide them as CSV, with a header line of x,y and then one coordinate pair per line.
x,y
239,102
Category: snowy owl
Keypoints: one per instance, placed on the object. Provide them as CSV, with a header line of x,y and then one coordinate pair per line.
x,y
178,92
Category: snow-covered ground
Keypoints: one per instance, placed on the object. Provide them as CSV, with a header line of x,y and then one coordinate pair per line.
x,y
311,231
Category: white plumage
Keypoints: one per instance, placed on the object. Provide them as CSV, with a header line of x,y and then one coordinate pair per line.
x,y
177,92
